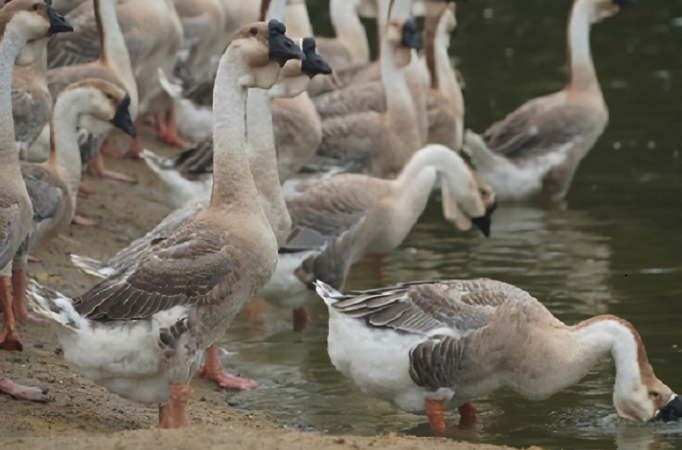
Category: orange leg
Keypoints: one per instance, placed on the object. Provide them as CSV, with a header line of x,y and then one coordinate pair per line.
x,y
434,409
213,370
84,191
134,150
170,134
300,319
20,392
161,127
468,414
110,151
19,300
9,339
83,221
173,413
96,167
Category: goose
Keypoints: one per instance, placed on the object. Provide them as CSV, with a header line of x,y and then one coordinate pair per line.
x,y
536,149
431,346
189,175
180,295
113,64
53,185
339,219
23,26
350,46
31,101
381,142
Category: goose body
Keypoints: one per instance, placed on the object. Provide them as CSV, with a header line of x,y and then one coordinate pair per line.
x,y
430,346
536,149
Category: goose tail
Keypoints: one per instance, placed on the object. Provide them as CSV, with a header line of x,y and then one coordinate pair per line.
x,y
54,306
328,293
93,266
475,147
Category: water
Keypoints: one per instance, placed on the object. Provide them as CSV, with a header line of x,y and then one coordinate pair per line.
x,y
613,247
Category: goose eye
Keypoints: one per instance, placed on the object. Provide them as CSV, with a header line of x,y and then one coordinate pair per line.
x,y
253,31
36,6
654,395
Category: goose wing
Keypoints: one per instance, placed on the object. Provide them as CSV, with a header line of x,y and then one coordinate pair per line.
x,y
195,267
45,190
78,47
10,216
31,111
539,127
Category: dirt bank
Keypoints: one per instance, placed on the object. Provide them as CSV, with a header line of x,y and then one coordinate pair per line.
x,y
83,415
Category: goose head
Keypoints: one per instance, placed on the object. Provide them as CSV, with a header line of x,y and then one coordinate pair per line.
x,y
295,76
106,102
264,49
647,399
603,9
463,202
313,64
34,20
403,36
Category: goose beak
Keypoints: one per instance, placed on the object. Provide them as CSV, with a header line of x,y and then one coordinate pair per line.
x,y
313,64
122,118
282,49
623,2
671,412
484,223
411,35
58,24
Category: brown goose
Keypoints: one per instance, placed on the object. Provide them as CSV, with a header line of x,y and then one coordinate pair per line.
x,y
23,26
430,346
181,294
536,149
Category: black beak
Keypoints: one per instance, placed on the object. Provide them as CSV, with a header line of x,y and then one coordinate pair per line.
x,y
313,64
282,49
671,412
122,117
623,2
58,24
483,223
411,35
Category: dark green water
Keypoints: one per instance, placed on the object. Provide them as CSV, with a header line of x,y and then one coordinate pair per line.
x,y
615,246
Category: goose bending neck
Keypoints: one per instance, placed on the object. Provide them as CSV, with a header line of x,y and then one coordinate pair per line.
x,y
349,29
11,43
583,76
233,183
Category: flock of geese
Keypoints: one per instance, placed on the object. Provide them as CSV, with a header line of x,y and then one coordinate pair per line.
x,y
305,157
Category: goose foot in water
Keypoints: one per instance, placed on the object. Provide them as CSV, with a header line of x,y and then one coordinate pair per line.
x,y
96,168
168,131
300,316
434,409
83,221
9,339
20,392
212,370
19,300
173,413
467,415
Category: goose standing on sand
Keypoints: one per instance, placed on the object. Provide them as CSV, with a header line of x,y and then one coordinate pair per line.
x,y
23,26
53,185
431,346
537,148
181,294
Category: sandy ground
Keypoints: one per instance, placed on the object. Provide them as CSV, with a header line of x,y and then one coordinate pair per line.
x,y
84,415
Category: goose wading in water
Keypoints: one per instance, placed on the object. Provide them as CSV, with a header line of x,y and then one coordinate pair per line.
x,y
24,24
180,296
537,149
432,346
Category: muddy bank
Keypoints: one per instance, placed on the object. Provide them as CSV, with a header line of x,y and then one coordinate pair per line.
x,y
84,415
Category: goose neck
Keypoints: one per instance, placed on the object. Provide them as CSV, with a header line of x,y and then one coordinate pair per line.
x,y
349,29
233,184
11,43
297,20
263,163
276,10
583,76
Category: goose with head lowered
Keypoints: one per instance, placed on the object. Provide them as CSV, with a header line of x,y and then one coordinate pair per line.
x,y
536,150
24,24
161,315
431,346
53,185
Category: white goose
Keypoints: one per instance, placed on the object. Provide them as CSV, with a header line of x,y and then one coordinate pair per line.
x,y
180,295
23,26
431,346
537,148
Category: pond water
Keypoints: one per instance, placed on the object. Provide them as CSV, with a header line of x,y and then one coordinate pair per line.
x,y
614,247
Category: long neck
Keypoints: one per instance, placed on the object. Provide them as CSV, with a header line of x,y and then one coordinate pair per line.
x,y
414,184
583,76
113,49
263,163
10,45
400,106
65,154
277,10
297,20
349,29
233,184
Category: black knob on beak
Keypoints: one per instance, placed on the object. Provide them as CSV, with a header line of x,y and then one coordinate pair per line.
x,y
282,49
411,35
313,64
122,117
58,24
